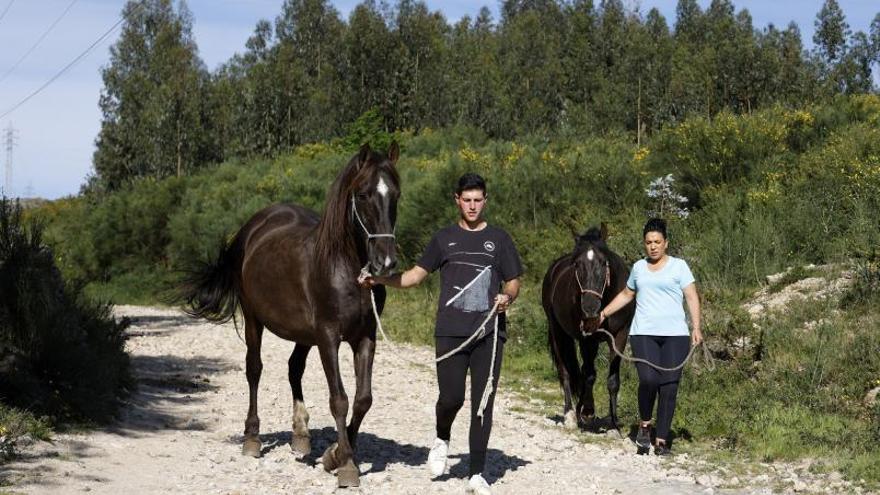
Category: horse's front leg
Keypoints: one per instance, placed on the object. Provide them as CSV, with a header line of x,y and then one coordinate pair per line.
x,y
564,354
363,397
340,454
586,405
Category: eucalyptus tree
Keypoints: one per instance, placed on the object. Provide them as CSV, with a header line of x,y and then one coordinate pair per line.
x,y
474,75
580,66
691,79
370,69
531,65
152,103
309,69
653,99
619,46
419,95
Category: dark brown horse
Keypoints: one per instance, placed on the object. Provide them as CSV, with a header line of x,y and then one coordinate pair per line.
x,y
576,288
295,273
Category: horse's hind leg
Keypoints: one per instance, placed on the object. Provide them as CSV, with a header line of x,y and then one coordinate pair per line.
x,y
296,366
564,356
340,454
253,336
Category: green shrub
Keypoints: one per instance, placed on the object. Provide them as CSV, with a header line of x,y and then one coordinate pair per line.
x,y
59,353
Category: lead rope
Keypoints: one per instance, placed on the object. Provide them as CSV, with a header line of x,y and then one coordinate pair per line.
x,y
365,272
707,356
709,362
487,392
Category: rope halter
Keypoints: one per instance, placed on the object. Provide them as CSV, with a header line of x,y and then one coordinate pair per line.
x,y
598,295
361,222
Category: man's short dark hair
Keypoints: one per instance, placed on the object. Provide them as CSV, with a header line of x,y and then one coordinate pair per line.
x,y
470,181
655,225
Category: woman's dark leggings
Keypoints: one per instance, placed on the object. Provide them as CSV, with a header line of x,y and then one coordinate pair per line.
x,y
667,352
451,373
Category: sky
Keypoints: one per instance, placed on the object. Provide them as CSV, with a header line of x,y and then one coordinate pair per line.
x,y
55,129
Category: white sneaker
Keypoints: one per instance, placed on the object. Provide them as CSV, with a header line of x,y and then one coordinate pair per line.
x,y
437,457
477,484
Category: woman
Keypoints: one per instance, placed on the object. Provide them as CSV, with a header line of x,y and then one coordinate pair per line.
x,y
659,331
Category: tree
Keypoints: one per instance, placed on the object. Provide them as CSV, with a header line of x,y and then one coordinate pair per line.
x,y
854,70
689,22
420,89
831,33
370,68
474,76
653,102
308,74
531,53
875,39
580,65
153,122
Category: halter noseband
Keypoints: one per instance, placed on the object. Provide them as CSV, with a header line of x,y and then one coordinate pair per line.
x,y
366,231
598,295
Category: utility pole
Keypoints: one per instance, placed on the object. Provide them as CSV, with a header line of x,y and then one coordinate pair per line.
x,y
9,138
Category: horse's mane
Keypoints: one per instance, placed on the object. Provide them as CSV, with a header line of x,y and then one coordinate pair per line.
x,y
335,236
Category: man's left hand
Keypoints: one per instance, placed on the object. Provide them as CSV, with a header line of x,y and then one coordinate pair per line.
x,y
503,301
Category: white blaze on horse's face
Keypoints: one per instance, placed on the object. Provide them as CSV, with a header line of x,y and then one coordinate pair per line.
x,y
590,255
382,187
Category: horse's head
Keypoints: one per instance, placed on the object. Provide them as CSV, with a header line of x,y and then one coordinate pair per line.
x,y
592,271
374,195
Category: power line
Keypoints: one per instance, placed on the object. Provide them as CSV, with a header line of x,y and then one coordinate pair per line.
x,y
6,9
40,40
66,67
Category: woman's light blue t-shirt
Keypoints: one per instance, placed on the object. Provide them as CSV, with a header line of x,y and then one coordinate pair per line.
x,y
659,295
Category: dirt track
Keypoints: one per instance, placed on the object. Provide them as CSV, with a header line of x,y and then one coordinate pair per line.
x,y
181,431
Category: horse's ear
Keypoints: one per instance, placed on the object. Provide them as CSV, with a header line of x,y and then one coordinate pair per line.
x,y
393,153
603,231
363,155
574,233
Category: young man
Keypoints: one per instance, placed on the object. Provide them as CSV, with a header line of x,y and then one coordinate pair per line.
x,y
475,260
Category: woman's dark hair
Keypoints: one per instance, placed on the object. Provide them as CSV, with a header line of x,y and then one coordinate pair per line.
x,y
470,181
655,225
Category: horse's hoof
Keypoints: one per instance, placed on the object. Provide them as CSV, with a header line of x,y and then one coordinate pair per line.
x,y
587,421
570,422
251,447
348,476
329,459
301,445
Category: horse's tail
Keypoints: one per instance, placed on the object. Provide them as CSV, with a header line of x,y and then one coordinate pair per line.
x,y
563,352
212,290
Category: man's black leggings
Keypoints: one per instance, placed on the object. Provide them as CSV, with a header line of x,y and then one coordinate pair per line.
x,y
667,352
451,373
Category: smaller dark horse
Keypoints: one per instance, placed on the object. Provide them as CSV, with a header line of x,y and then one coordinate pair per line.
x,y
295,273
576,288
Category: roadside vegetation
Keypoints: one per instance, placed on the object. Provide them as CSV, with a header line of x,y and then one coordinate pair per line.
x,y
61,356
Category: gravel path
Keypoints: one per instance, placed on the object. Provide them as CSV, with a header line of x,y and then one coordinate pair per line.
x,y
180,432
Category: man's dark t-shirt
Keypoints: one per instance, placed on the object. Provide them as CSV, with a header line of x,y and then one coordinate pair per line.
x,y
476,261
